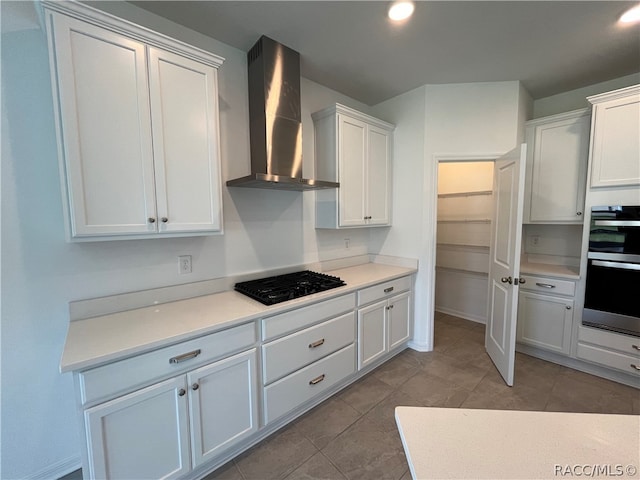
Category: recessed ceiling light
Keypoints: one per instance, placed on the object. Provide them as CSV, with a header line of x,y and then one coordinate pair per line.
x,y
400,10
631,15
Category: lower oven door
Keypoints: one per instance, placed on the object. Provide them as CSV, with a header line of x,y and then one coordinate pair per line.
x,y
612,297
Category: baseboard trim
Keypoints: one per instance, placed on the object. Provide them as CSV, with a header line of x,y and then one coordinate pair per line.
x,y
419,346
464,315
58,469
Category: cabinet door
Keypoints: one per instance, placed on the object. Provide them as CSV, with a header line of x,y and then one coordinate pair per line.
x,y
184,111
352,147
616,143
378,176
399,312
545,321
103,101
372,333
140,435
223,405
560,154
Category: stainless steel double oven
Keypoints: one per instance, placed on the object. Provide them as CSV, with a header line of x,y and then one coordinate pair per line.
x,y
612,297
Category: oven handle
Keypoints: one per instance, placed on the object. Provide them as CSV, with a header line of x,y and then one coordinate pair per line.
x,y
617,223
622,266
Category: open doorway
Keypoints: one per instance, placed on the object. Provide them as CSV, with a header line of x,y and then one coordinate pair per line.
x,y
464,214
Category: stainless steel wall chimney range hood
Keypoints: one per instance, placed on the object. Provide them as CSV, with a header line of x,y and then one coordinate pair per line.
x,y
275,120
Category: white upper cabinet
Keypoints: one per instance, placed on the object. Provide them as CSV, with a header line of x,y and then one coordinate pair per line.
x,y
615,138
557,155
137,127
354,149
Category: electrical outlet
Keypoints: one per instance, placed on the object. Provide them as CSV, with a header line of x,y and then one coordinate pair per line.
x,y
535,240
184,264
346,243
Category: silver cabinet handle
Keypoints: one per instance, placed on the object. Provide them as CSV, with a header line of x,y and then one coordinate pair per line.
x,y
388,290
164,219
195,386
545,285
316,343
635,346
389,307
578,213
185,356
635,366
367,218
182,392
316,380
522,280
508,280
568,307
151,220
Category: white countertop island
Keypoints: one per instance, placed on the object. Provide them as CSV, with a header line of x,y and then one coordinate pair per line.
x,y
497,444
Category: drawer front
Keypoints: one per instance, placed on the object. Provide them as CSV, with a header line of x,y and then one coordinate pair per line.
x,y
125,375
285,395
619,361
383,290
548,285
615,341
294,351
288,322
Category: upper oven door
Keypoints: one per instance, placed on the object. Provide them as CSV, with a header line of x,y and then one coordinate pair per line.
x,y
615,229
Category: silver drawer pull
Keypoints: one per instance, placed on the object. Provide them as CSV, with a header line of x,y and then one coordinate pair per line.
x,y
316,380
545,285
635,346
632,366
185,356
388,290
316,343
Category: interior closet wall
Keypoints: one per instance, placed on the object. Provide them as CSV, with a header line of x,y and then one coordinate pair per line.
x,y
465,206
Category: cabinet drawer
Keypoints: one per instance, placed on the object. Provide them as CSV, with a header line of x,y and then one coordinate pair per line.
x,y
294,351
548,285
285,395
619,361
615,341
383,290
303,317
119,377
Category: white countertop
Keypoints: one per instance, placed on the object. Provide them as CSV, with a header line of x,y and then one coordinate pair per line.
x,y
94,341
503,444
560,271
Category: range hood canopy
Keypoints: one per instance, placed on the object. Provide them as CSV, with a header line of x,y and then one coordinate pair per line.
x,y
275,120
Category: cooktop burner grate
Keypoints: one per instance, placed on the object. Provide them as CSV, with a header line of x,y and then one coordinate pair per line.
x,y
272,290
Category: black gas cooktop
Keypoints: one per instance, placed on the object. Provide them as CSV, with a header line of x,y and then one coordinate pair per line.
x,y
272,290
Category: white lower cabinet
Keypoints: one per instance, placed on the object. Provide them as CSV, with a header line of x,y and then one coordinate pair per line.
x,y
143,434
613,350
545,321
168,428
385,324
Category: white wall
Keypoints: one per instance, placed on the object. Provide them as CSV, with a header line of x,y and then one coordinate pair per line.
x,y
455,119
575,99
41,273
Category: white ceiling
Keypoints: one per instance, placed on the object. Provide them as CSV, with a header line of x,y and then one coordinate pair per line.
x,y
351,46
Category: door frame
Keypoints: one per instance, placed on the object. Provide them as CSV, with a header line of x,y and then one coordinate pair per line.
x,y
430,226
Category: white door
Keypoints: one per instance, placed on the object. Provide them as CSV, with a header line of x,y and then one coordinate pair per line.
x,y
352,154
140,435
372,333
399,312
184,112
106,129
378,174
223,403
504,265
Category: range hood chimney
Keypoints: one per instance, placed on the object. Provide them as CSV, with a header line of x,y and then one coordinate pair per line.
x,y
275,120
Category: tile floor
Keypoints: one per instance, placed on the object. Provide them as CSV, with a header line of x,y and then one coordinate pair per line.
x,y
353,435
